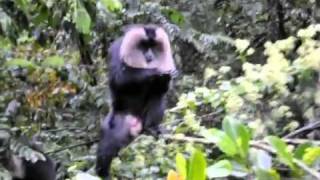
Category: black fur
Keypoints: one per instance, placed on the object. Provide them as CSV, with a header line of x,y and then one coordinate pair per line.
x,y
115,134
44,170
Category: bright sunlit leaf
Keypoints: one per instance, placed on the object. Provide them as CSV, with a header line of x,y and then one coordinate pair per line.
x,y
112,5
197,166
311,155
282,150
181,165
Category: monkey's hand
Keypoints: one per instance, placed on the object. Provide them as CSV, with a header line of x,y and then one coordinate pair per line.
x,y
172,73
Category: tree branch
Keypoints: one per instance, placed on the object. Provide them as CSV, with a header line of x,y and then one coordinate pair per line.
x,y
310,127
72,146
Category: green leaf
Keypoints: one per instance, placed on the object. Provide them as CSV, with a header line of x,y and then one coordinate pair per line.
x,y
223,141
5,44
311,155
300,150
220,169
23,5
243,139
282,150
230,127
82,19
112,5
181,164
20,63
238,133
174,15
197,166
267,175
41,16
53,61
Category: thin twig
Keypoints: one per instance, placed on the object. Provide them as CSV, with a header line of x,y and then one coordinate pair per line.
x,y
302,165
64,129
310,127
187,139
72,146
262,146
302,141
200,118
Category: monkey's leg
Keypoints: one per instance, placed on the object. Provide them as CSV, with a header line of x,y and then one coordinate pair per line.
x,y
154,116
106,152
114,136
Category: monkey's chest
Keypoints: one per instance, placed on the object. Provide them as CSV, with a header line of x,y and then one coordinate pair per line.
x,y
134,97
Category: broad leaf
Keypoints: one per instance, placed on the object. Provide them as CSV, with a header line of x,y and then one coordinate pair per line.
x,y
282,150
197,166
181,164
238,133
243,139
82,19
222,168
112,5
300,150
23,5
223,141
267,175
41,16
311,155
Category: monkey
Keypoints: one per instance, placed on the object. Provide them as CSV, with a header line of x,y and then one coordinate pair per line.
x,y
23,169
117,131
140,74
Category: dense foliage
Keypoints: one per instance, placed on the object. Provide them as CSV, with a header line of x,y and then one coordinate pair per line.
x,y
244,106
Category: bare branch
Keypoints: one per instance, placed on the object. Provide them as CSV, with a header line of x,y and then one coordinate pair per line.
x,y
310,127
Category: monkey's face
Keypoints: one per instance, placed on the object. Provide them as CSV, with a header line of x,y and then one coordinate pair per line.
x,y
147,46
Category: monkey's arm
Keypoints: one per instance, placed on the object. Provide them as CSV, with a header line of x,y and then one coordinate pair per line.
x,y
123,75
154,116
